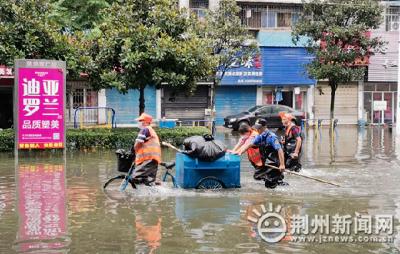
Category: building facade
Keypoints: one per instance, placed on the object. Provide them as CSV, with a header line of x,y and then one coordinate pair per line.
x,y
275,76
380,91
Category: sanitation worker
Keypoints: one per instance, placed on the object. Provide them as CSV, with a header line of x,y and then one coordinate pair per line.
x,y
292,142
271,153
148,152
247,135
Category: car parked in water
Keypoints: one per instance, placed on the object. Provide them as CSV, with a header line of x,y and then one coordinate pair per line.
x,y
269,112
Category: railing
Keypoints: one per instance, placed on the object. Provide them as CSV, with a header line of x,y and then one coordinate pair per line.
x,y
94,117
194,123
317,123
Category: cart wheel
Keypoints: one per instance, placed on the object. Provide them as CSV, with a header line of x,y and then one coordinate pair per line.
x,y
210,183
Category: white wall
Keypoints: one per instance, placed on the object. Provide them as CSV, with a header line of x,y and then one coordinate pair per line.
x,y
102,102
383,67
184,3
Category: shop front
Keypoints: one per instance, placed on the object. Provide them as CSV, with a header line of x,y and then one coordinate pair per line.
x,y
276,76
6,97
380,100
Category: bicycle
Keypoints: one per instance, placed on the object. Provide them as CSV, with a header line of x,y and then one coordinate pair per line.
x,y
126,167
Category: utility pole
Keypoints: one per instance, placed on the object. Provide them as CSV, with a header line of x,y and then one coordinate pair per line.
x,y
398,91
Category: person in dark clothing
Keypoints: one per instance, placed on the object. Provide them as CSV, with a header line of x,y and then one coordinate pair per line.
x,y
292,142
271,153
247,135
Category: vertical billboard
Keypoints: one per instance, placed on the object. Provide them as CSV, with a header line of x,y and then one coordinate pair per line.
x,y
39,104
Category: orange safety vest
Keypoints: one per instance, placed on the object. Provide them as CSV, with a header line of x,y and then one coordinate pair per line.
x,y
254,154
150,149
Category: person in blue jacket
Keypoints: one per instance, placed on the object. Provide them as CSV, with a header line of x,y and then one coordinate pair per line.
x,y
271,152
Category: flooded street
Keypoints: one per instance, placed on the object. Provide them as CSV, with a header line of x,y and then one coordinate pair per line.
x,y
49,206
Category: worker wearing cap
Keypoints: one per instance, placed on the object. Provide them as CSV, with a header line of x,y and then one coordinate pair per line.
x,y
247,135
292,141
148,151
271,150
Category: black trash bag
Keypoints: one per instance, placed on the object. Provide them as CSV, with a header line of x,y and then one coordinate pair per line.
x,y
125,160
204,148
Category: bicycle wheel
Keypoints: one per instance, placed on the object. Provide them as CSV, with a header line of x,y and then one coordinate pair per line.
x,y
115,182
210,183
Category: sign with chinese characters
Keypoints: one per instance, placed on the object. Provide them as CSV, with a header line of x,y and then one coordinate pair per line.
x,y
271,66
380,105
274,225
6,72
41,207
40,95
245,71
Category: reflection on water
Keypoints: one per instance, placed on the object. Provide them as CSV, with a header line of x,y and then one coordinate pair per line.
x,y
41,209
47,207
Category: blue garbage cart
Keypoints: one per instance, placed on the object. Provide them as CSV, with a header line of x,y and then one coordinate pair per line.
x,y
194,173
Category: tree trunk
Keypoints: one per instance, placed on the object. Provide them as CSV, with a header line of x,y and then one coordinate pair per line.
x,y
213,96
333,86
141,100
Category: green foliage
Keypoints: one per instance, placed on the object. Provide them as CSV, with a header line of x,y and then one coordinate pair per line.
x,y
228,38
108,138
27,32
7,139
341,26
78,15
142,43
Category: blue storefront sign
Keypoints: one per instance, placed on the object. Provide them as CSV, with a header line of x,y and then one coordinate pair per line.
x,y
273,66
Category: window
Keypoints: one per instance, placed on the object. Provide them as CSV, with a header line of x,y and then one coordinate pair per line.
x,y
392,19
264,111
278,109
284,19
252,109
270,16
198,7
198,4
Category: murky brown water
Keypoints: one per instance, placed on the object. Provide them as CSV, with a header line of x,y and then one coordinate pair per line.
x,y
46,206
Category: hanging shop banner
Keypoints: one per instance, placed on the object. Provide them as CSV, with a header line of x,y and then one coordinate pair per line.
x,y
272,66
39,103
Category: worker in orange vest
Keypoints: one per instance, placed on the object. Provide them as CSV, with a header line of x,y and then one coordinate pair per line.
x,y
147,150
292,142
247,135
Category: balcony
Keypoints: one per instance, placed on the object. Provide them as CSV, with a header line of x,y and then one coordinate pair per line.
x,y
269,17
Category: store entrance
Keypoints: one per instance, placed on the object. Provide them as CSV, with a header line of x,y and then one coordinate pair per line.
x,y
287,98
6,106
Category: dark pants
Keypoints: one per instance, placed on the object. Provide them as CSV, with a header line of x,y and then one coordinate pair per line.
x,y
292,164
145,172
266,173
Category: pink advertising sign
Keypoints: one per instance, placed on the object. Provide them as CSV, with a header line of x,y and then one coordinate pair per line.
x,y
40,106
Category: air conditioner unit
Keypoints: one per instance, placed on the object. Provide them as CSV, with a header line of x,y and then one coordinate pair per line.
x,y
248,13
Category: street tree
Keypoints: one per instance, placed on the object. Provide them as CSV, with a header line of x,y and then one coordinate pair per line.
x,y
142,43
27,32
339,38
229,42
78,15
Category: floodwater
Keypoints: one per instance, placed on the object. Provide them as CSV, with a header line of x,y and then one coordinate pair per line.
x,y
56,206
